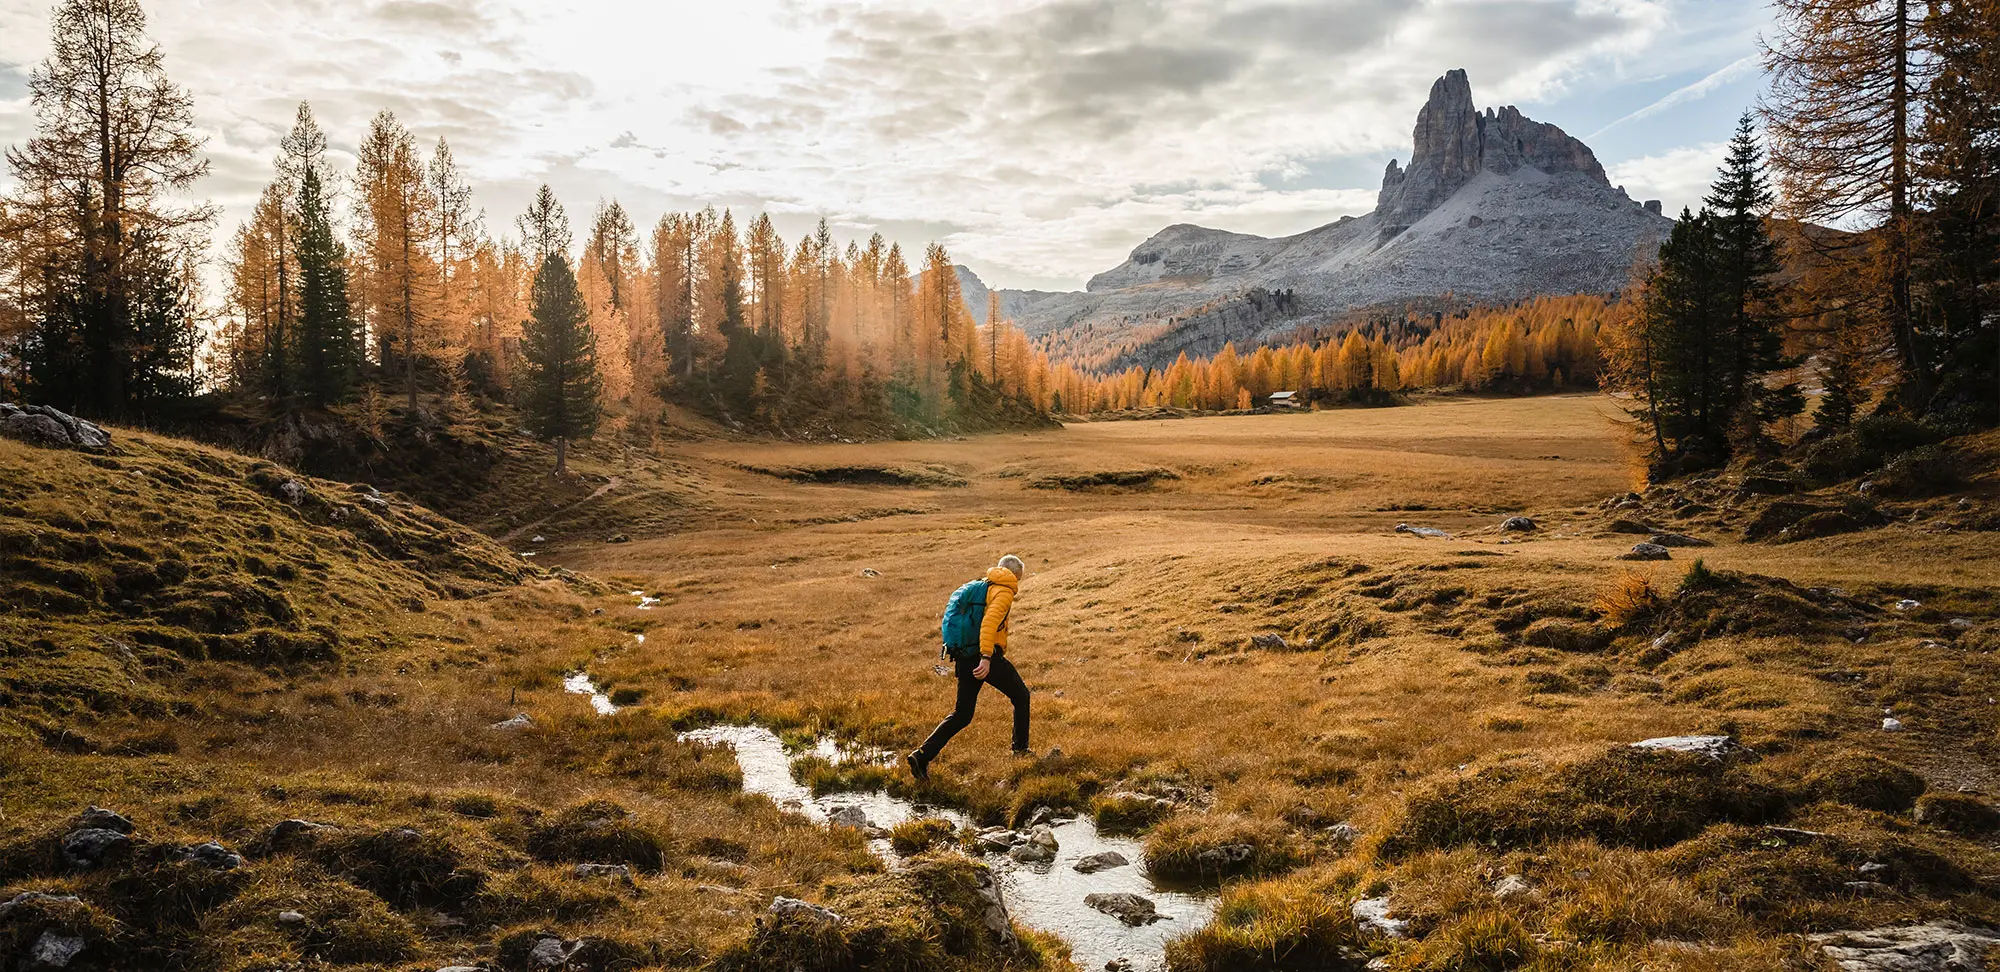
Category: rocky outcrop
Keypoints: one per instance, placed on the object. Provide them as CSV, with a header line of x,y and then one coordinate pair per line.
x,y
1939,947
45,426
1125,906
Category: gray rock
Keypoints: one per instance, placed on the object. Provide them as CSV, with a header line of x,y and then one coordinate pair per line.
x,y
44,426
1224,857
1677,540
1372,916
98,818
1629,526
784,907
1125,906
288,832
849,818
53,950
1518,524
1937,947
1101,861
1422,531
26,898
87,848
550,952
1646,551
516,724
1714,747
291,918
211,855
1343,832
1511,887
1892,724
617,873
1269,641
1039,848
993,911
999,840
292,491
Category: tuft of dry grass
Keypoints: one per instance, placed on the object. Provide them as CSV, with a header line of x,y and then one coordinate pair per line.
x,y
1628,599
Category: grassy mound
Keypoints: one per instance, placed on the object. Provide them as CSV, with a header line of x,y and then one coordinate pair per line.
x,y
913,476
1104,479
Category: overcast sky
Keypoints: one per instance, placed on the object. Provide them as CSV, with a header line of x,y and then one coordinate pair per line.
x,y
1041,140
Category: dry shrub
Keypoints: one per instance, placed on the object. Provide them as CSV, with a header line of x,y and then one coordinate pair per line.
x,y
1865,780
1624,897
916,836
1488,941
1623,796
1210,846
1960,813
598,832
1286,924
406,867
545,895
1629,598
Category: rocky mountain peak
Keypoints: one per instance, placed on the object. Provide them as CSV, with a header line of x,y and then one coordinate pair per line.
x,y
1454,142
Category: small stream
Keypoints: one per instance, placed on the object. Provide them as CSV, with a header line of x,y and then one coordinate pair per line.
x,y
1048,897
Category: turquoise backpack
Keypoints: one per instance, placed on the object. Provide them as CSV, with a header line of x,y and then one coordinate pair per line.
x,y
963,615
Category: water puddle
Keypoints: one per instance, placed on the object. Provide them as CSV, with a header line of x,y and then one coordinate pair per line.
x,y
1048,897
580,684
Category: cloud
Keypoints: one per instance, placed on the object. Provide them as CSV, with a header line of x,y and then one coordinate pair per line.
x,y
1041,139
1737,70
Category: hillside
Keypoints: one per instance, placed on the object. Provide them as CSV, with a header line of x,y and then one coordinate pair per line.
x,y
1493,207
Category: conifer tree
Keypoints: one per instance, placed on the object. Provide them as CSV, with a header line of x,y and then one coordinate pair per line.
x,y
329,346
560,386
1744,262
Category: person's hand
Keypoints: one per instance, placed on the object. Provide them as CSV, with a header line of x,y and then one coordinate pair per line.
x,y
980,671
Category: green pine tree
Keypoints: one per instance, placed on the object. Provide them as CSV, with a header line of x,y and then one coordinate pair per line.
x,y
1744,261
560,385
328,343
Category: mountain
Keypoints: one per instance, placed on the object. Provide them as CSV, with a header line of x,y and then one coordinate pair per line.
x,y
1493,207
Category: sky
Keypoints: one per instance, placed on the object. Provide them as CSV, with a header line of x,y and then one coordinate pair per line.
x,y
1039,140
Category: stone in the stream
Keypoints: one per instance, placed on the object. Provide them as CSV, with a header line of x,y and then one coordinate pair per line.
x,y
1518,524
1039,848
1513,886
1125,906
1422,531
784,907
1120,964
1677,540
516,724
998,840
1713,747
1371,915
849,818
1646,551
615,873
1101,861
1942,946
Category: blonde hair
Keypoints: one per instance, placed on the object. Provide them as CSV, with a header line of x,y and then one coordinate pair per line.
x,y
1014,565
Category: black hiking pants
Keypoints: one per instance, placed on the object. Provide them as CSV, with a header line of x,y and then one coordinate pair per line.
x,y
1000,675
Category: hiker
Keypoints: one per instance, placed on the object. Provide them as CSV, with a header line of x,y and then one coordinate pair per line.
x,y
975,639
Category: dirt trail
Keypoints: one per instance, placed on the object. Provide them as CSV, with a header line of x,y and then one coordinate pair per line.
x,y
611,483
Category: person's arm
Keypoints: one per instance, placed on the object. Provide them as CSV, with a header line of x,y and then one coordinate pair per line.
x,y
998,601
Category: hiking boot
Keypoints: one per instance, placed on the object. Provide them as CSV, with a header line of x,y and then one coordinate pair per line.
x,y
920,765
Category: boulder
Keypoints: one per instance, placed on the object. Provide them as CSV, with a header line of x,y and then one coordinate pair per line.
x,y
1422,531
288,833
1371,915
1518,524
784,907
1511,887
1629,526
616,873
1101,861
1039,848
53,950
519,722
92,846
98,818
1677,540
849,818
1224,857
993,912
44,426
291,919
1646,551
998,840
549,952
1713,747
1125,906
1343,832
1943,946
1892,724
1268,641
211,855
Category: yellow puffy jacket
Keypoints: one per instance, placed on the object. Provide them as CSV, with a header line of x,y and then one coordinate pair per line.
x,y
1001,586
